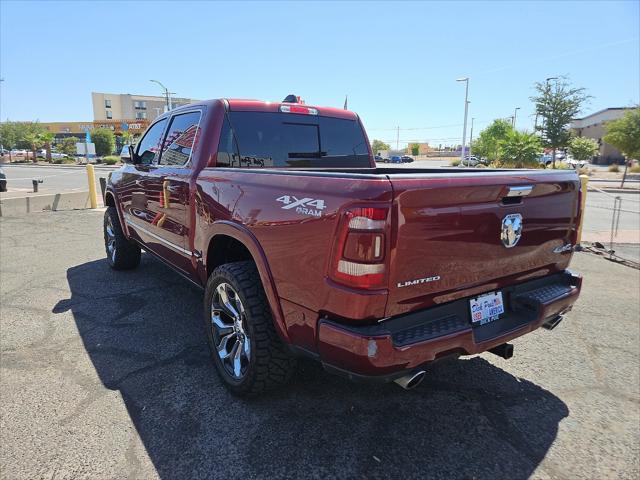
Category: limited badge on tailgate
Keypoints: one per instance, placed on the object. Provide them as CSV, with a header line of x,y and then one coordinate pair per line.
x,y
486,308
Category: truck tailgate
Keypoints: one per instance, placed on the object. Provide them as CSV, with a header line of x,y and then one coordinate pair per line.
x,y
448,241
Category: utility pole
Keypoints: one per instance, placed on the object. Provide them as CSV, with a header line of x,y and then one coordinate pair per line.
x,y
471,136
515,114
466,112
398,138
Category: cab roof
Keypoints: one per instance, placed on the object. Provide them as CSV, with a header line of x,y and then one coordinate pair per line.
x,y
240,105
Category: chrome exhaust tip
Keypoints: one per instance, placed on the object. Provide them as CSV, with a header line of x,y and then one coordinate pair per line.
x,y
411,380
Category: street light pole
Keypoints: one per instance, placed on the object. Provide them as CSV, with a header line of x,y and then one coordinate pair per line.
x,y
167,94
471,136
466,112
515,114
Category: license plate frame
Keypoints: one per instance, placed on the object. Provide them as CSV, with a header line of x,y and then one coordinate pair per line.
x,y
486,308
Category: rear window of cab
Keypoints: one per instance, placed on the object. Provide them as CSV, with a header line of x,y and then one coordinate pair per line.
x,y
266,139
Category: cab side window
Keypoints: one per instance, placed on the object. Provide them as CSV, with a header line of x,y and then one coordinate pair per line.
x,y
149,146
181,139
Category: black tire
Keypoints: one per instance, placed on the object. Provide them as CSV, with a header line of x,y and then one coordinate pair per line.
x,y
125,254
270,364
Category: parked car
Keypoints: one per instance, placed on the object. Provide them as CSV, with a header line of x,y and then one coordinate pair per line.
x,y
310,251
378,158
3,181
469,161
406,159
569,160
55,155
546,160
395,159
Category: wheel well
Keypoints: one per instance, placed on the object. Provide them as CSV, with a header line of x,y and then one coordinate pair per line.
x,y
224,249
109,200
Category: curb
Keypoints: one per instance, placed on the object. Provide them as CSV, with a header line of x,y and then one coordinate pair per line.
x,y
17,207
620,190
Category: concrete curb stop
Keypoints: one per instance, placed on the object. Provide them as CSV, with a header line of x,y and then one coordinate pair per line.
x,y
15,207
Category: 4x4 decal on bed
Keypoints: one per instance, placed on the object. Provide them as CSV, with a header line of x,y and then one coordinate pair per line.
x,y
305,206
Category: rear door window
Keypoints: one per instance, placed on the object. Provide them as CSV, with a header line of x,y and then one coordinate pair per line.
x,y
291,140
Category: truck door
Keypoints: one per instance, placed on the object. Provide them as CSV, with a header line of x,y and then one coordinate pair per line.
x,y
168,190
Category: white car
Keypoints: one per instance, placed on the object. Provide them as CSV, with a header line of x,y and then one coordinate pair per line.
x,y
43,154
575,163
469,161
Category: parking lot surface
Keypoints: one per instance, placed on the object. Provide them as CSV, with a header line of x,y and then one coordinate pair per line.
x,y
106,375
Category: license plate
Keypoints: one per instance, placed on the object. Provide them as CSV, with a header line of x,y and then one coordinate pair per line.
x,y
486,308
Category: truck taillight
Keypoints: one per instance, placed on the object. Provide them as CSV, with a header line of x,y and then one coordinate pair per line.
x,y
359,249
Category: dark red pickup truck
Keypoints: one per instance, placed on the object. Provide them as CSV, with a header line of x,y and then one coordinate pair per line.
x,y
304,247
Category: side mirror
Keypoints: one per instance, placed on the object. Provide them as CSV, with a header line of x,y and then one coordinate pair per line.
x,y
132,155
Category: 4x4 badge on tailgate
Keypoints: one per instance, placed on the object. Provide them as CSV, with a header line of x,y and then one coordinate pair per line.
x,y
511,230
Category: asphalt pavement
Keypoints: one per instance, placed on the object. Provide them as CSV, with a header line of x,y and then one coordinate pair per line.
x,y
55,179
106,375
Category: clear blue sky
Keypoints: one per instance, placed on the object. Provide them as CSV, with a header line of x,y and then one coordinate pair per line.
x,y
397,61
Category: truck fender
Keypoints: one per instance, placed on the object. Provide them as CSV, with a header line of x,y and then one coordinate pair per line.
x,y
111,200
246,238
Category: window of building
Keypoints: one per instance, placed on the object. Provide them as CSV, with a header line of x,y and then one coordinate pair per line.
x,y
140,105
141,115
109,115
149,146
107,103
181,139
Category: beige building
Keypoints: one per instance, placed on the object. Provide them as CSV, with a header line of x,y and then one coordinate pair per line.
x,y
423,148
119,106
592,126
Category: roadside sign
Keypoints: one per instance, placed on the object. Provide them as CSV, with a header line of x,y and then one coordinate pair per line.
x,y
81,149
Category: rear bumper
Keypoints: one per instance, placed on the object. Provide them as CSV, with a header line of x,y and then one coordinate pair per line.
x,y
393,347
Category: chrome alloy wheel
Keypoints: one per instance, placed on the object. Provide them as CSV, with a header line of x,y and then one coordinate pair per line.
x,y
230,334
110,240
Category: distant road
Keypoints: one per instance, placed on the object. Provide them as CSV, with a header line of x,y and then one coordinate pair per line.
x,y
55,179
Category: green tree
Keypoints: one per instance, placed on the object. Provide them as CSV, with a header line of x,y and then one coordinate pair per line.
x,y
47,137
34,136
519,150
68,145
582,148
624,134
379,145
8,136
557,103
104,140
415,149
487,144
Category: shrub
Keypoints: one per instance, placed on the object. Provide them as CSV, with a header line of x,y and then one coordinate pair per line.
x,y
519,150
104,140
614,168
635,169
110,160
455,163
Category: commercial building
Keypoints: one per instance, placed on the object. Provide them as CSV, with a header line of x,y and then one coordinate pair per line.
x,y
423,148
124,106
593,126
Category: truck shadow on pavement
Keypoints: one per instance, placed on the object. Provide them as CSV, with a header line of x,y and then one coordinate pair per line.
x,y
144,334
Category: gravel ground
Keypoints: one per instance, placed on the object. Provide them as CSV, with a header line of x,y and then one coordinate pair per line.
x,y
106,375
